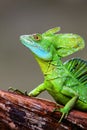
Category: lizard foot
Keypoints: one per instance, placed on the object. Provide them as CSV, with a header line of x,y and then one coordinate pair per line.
x,y
17,91
63,111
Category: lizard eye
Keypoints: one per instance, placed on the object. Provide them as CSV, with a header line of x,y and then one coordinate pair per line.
x,y
37,37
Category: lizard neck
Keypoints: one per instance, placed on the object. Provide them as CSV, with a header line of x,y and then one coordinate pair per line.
x,y
48,67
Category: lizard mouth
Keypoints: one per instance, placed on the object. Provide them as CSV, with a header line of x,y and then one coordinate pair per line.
x,y
28,42
26,39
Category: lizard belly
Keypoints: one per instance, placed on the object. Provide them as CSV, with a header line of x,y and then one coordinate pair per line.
x,y
55,91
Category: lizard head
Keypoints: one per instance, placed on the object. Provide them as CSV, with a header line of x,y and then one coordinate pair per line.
x,y
46,45
40,44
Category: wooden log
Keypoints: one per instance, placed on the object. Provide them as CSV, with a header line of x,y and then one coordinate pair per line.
x,y
19,112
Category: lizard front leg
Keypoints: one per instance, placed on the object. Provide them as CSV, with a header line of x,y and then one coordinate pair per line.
x,y
33,93
37,90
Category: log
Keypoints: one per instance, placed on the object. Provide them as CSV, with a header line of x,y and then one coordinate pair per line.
x,y
19,112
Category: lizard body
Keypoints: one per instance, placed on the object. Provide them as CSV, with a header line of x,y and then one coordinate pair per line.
x,y
65,82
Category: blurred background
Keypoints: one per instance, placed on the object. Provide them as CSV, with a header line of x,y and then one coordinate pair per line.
x,y
18,67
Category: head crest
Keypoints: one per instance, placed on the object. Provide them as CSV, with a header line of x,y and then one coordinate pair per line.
x,y
52,31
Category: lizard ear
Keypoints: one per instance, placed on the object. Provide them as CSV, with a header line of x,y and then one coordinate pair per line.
x,y
51,31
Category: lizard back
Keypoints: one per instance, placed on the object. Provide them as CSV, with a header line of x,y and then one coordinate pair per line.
x,y
77,80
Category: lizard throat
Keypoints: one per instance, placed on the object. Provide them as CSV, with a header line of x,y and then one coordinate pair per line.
x,y
48,67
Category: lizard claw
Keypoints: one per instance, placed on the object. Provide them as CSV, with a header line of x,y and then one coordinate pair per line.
x,y
18,91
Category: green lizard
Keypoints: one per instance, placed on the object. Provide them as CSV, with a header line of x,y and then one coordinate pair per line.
x,y
65,82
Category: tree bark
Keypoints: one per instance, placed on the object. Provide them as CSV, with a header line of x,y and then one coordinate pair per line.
x,y
19,112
